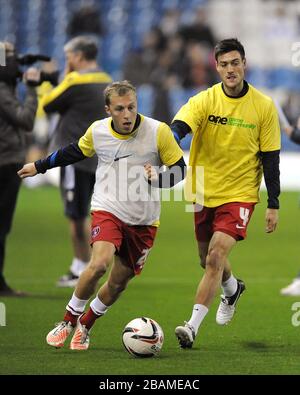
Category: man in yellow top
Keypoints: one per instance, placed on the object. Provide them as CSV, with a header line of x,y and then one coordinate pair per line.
x,y
236,138
125,211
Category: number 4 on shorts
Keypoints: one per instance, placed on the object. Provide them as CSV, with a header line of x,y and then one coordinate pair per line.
x,y
244,215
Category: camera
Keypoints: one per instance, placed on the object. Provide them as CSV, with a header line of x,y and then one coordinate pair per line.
x,y
12,72
29,59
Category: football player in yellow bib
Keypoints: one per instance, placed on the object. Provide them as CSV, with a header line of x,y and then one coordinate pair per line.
x,y
125,210
236,139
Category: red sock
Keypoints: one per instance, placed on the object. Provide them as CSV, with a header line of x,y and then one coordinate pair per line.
x,y
71,317
89,318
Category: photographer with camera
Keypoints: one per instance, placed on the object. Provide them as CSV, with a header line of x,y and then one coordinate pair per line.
x,y
16,123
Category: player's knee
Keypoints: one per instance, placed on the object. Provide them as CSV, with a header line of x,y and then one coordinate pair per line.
x,y
216,259
97,270
218,252
98,266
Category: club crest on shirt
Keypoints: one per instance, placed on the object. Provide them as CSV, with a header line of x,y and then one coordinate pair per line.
x,y
95,231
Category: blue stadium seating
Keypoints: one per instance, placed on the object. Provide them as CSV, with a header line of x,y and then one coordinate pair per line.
x,y
146,99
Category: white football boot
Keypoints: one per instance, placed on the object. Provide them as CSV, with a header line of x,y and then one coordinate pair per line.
x,y
227,305
293,289
185,335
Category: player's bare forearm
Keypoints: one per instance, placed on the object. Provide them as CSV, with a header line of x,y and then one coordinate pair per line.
x,y
288,130
28,170
272,217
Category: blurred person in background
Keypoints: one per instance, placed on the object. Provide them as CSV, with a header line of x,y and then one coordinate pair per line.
x,y
16,123
173,56
79,101
170,22
43,125
85,21
293,132
140,63
199,31
199,41
199,72
160,63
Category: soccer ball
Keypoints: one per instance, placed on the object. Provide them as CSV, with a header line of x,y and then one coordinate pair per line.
x,y
143,337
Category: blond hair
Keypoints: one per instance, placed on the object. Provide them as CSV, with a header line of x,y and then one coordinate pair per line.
x,y
119,88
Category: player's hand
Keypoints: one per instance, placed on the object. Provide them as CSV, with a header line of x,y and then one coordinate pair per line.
x,y
32,76
271,219
288,130
28,170
150,172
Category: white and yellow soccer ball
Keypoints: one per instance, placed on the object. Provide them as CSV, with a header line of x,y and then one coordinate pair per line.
x,y
143,337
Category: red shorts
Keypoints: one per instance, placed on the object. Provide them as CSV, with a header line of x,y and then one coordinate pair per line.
x,y
133,242
230,218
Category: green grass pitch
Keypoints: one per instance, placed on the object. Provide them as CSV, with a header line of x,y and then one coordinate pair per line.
x,y
260,340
